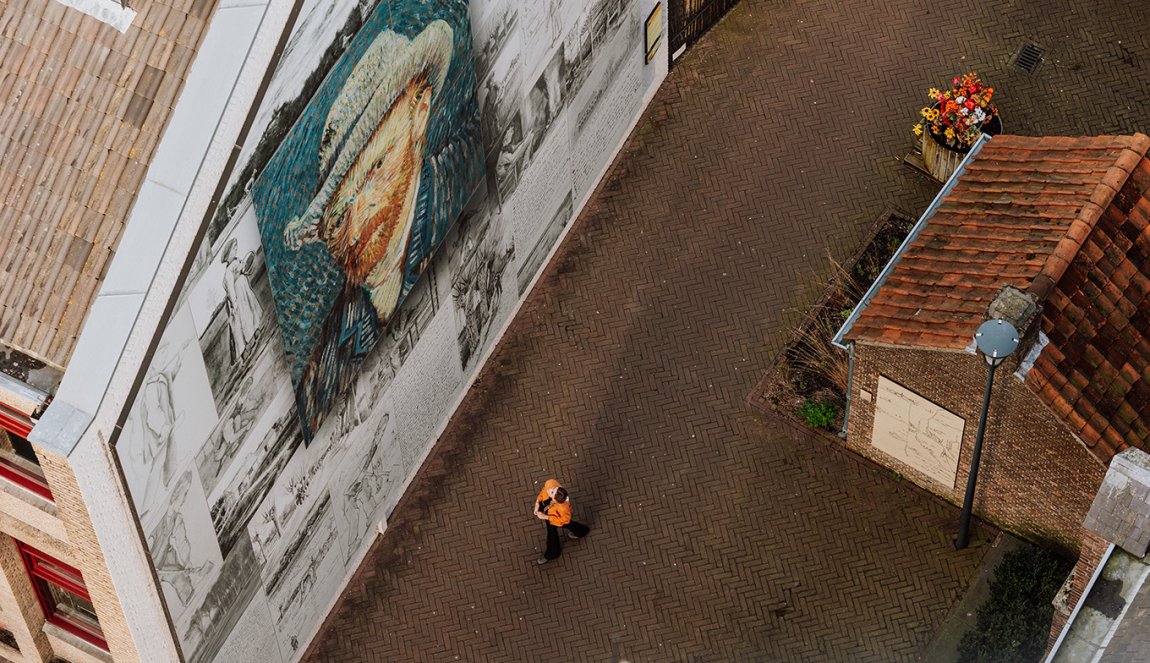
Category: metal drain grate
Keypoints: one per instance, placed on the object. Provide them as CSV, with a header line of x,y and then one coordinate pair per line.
x,y
1028,58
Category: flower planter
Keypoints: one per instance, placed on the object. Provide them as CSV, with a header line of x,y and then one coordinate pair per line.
x,y
940,160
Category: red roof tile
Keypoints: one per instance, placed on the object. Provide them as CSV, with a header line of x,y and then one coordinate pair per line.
x,y
1068,220
1017,216
1110,333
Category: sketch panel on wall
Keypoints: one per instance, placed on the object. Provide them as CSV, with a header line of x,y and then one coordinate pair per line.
x,y
609,90
369,477
206,627
500,97
493,25
172,415
261,459
321,25
424,388
540,193
478,256
231,304
244,417
282,514
364,188
186,563
545,23
545,242
917,432
253,638
313,563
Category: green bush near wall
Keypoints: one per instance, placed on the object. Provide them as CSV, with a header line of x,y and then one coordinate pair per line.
x,y
1013,625
819,414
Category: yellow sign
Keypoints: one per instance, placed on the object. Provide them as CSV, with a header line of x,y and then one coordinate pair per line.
x,y
654,30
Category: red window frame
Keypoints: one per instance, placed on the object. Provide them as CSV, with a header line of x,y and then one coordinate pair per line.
x,y
43,569
17,425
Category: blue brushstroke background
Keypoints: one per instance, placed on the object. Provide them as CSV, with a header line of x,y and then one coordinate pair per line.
x,y
327,325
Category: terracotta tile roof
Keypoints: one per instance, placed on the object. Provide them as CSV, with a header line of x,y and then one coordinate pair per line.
x,y
1095,373
1068,220
82,107
1014,217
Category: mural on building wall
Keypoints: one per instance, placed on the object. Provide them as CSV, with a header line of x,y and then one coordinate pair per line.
x,y
364,188
252,533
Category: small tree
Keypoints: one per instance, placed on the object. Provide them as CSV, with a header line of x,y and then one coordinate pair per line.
x,y
1013,624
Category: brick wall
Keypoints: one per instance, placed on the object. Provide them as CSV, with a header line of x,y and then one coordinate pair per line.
x,y
85,554
19,610
1089,557
1035,479
64,531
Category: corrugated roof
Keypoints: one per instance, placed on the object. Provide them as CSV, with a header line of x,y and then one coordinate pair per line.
x,y
82,108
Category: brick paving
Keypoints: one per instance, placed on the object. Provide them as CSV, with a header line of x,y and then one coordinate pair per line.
x,y
717,534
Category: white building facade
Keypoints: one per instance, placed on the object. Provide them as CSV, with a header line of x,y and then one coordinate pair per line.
x,y
228,532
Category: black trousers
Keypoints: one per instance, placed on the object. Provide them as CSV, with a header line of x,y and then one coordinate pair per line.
x,y
553,548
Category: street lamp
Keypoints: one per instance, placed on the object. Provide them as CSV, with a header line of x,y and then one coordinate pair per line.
x,y
996,339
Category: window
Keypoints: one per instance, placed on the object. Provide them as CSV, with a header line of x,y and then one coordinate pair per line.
x,y
63,596
18,462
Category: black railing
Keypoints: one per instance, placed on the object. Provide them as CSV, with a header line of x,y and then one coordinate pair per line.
x,y
689,19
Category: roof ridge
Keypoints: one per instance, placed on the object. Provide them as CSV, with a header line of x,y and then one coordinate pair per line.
x,y
1059,260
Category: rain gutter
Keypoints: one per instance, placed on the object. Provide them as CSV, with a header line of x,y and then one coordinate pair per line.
x,y
838,341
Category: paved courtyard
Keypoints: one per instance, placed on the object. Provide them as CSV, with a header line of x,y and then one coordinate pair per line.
x,y
719,534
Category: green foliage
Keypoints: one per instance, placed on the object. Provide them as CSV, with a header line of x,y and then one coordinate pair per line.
x,y
819,414
1014,623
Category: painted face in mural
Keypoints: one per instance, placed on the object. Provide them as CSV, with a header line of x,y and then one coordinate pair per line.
x,y
372,153
368,221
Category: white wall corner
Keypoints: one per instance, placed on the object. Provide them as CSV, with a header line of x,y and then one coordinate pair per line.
x,y
126,316
106,11
123,551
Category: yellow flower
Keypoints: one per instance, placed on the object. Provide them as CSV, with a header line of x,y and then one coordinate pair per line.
x,y
949,133
925,111
931,115
917,129
933,93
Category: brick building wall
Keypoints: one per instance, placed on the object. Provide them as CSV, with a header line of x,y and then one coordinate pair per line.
x,y
1090,554
62,529
1035,479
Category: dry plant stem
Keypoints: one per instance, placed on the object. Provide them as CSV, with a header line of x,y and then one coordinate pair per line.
x,y
814,353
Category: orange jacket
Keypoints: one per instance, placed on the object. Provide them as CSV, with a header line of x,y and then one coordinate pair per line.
x,y
558,514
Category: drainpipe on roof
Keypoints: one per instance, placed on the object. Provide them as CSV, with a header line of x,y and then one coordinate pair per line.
x,y
838,341
850,378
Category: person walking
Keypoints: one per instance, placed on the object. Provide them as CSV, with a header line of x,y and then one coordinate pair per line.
x,y
553,507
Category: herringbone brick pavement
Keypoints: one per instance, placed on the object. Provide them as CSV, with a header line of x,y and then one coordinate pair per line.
x,y
718,536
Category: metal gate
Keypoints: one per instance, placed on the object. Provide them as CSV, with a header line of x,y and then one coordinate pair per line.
x,y
688,20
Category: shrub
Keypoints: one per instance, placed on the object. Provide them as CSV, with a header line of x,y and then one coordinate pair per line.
x,y
1013,624
819,414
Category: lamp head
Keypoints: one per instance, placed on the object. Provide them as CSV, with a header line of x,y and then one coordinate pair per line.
x,y
996,339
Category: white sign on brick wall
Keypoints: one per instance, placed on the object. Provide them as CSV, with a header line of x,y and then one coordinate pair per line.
x,y
917,431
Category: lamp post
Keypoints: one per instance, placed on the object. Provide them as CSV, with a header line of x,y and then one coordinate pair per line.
x,y
996,339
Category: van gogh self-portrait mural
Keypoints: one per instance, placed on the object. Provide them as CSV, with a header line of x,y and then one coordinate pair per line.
x,y
365,186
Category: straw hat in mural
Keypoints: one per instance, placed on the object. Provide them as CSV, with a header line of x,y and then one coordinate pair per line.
x,y
370,157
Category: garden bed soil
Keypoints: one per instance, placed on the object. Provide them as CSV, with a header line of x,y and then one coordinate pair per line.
x,y
810,374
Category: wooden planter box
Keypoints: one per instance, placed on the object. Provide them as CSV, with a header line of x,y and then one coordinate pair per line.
x,y
941,161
